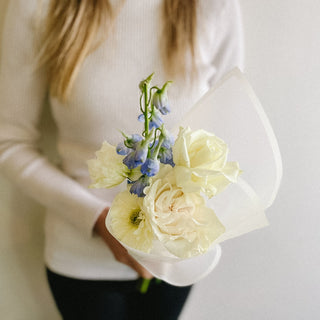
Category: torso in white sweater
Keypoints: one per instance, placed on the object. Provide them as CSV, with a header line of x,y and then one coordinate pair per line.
x,y
104,99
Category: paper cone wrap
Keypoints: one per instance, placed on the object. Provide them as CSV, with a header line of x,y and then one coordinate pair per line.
x,y
232,112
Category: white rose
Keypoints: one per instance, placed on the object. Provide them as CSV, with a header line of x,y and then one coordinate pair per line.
x,y
180,220
201,162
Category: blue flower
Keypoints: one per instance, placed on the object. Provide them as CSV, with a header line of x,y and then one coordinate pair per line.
x,y
160,99
156,121
150,167
122,149
129,160
136,157
133,139
141,153
166,156
141,118
138,186
168,141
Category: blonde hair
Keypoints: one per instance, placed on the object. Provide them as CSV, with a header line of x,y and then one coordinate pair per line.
x,y
179,34
74,28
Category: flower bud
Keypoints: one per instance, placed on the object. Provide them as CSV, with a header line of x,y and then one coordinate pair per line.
x,y
168,141
160,99
146,82
122,149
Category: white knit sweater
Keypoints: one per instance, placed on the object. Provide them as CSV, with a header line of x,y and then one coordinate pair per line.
x,y
105,98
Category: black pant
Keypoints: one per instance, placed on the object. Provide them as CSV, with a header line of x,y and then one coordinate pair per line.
x,y
115,300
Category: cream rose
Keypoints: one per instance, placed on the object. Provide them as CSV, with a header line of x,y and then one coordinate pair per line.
x,y
180,220
201,162
129,223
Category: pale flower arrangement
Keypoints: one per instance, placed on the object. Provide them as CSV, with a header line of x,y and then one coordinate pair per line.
x,y
168,181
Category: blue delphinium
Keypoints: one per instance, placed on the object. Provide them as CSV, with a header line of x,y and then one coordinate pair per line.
x,y
138,186
150,167
136,157
122,149
155,120
129,160
133,139
141,153
141,118
168,140
139,150
160,99
166,156
155,144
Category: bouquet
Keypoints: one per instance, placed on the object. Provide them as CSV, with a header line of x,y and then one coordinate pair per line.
x,y
164,216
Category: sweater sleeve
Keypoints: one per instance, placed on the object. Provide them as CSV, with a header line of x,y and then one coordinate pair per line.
x,y
23,89
229,41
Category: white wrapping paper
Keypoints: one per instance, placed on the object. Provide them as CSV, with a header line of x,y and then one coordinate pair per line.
x,y
232,112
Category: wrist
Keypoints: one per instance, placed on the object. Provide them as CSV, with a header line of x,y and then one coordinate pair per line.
x,y
100,223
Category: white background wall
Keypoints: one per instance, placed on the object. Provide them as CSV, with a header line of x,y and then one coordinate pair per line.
x,y
268,274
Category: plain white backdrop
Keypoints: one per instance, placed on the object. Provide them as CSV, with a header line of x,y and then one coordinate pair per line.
x,y
271,273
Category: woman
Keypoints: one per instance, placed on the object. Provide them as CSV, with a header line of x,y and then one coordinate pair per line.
x,y
88,57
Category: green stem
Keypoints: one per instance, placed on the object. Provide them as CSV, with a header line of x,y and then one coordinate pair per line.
x,y
156,151
150,93
141,109
144,285
126,144
146,119
155,138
